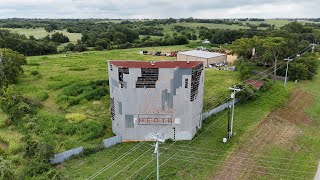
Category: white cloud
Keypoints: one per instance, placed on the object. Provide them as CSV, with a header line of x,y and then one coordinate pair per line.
x,y
158,8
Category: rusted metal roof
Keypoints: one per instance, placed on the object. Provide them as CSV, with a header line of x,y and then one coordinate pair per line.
x,y
255,83
156,64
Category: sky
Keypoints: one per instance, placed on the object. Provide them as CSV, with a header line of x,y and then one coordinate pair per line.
x,y
141,9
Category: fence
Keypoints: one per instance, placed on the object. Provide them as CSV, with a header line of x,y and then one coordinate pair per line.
x,y
58,158
218,109
61,157
112,141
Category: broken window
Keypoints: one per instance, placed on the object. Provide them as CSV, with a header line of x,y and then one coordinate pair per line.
x,y
186,83
195,81
148,79
112,109
122,71
129,121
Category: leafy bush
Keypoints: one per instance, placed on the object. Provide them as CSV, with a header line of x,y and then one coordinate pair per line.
x,y
34,73
17,106
42,96
245,68
78,68
75,117
77,92
6,170
33,64
298,71
11,65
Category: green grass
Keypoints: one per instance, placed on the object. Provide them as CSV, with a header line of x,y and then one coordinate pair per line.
x,y
185,166
305,151
61,72
41,32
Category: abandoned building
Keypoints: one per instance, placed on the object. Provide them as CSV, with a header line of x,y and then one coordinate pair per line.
x,y
208,58
163,97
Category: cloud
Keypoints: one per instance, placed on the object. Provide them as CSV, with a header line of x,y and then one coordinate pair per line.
x,y
158,8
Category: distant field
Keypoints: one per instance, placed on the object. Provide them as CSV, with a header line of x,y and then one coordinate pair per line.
x,y
208,25
41,32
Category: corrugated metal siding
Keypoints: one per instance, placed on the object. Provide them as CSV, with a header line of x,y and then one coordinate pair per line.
x,y
169,91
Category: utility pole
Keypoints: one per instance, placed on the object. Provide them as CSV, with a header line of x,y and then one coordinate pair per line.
x,y
229,122
313,47
156,151
285,80
233,96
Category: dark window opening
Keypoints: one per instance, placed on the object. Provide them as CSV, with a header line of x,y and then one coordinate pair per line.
x,y
195,81
122,71
112,108
111,68
148,79
186,83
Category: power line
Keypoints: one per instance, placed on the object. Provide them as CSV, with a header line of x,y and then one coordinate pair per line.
x,y
214,154
235,168
176,141
258,166
130,163
115,161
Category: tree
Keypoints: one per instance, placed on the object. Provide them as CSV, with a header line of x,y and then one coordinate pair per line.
x,y
10,66
298,71
273,46
59,38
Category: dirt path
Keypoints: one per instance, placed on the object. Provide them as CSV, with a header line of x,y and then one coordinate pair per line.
x,y
277,129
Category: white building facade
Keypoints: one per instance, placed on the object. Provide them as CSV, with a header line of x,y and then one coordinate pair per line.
x,y
164,97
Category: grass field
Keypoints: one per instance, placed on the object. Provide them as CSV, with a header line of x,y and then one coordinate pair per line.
x,y
57,74
281,149
182,160
41,32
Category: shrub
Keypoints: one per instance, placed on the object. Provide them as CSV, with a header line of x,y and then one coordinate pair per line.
x,y
42,96
245,68
78,68
298,71
17,106
75,117
6,170
84,91
34,73
33,64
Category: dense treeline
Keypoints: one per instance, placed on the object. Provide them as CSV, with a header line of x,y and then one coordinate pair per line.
x,y
102,34
273,47
27,46
221,36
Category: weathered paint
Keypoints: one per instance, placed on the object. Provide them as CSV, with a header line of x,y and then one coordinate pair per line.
x,y
159,109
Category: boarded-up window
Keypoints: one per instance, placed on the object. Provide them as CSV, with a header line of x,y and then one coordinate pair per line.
x,y
120,107
129,121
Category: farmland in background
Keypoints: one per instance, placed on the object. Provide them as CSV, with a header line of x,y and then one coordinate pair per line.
x,y
41,33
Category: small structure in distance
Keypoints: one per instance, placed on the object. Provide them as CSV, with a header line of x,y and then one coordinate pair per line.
x,y
208,58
